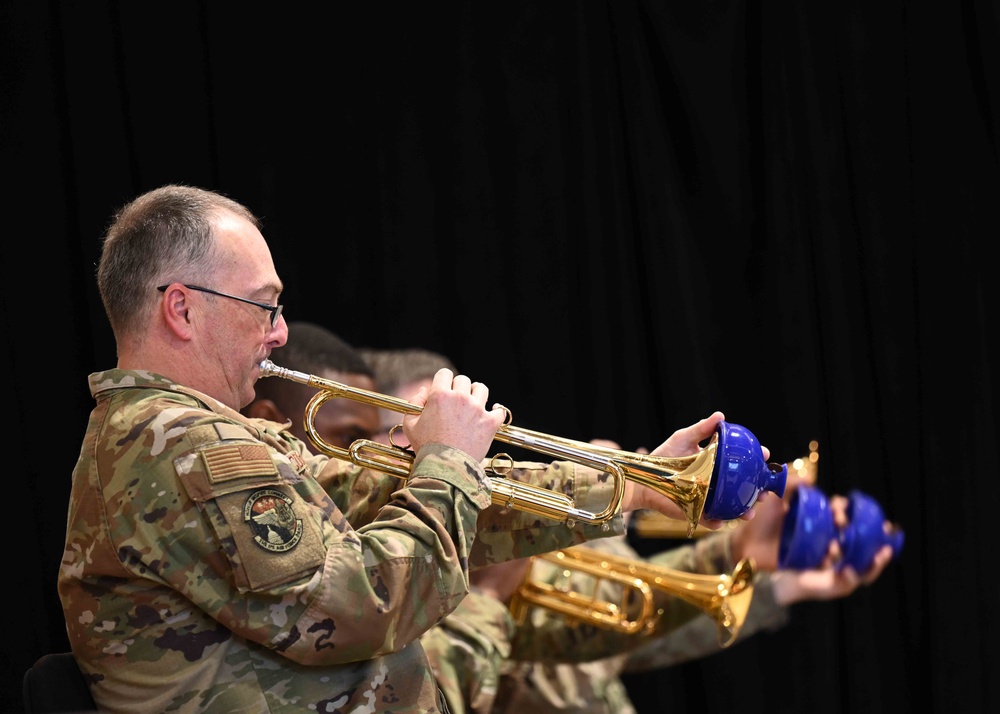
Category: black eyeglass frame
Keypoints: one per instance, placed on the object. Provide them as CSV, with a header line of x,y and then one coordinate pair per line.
x,y
275,310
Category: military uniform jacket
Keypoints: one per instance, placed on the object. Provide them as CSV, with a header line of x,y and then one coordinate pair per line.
x,y
211,564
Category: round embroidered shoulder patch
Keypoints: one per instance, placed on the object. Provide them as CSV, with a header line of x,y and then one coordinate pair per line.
x,y
272,520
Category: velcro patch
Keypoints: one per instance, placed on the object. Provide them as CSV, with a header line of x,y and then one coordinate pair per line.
x,y
231,461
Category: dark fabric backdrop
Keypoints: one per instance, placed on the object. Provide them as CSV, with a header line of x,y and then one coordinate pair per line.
x,y
619,215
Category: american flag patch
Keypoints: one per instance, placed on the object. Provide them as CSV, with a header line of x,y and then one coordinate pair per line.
x,y
236,461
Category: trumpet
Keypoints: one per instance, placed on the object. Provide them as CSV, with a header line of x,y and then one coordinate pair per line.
x,y
686,480
724,598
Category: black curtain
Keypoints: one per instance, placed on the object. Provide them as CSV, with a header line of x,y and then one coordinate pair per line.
x,y
620,216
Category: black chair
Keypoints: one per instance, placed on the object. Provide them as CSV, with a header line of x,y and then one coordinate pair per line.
x,y
55,685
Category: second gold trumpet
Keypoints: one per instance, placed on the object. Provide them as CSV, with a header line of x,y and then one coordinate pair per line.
x,y
725,597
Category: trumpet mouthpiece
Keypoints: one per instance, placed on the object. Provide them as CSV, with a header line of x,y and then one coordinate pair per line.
x,y
267,368
270,369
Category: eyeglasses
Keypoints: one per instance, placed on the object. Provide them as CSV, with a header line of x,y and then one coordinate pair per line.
x,y
275,310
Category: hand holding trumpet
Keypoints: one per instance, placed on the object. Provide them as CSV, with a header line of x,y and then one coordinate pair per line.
x,y
683,442
454,413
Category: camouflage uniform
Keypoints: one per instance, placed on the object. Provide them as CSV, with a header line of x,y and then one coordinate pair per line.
x,y
211,562
466,651
593,686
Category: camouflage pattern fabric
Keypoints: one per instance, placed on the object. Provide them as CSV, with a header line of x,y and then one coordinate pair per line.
x,y
547,686
208,569
467,650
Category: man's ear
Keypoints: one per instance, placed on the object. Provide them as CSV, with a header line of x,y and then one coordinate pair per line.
x,y
174,308
266,409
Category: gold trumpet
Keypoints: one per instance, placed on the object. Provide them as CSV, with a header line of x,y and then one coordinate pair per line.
x,y
724,598
684,480
652,524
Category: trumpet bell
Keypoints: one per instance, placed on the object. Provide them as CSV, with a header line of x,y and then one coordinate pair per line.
x,y
806,530
651,524
867,531
740,474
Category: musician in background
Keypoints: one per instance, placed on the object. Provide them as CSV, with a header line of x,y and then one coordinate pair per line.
x,y
214,562
535,674
315,350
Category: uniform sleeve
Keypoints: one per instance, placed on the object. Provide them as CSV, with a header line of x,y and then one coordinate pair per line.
x,y
584,688
466,652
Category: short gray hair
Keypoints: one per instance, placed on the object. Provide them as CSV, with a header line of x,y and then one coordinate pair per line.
x,y
162,236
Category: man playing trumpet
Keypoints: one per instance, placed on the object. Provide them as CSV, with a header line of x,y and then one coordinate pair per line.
x,y
216,563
